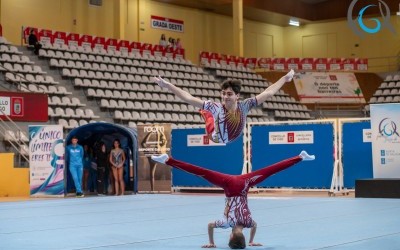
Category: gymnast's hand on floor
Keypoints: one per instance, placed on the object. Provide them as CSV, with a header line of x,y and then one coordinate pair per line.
x,y
209,246
161,82
253,244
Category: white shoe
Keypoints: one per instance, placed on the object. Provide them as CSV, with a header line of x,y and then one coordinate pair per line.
x,y
160,158
289,76
306,156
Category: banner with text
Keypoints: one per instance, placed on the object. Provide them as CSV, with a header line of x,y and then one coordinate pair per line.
x,y
46,160
164,23
19,106
385,121
323,87
291,137
153,139
201,140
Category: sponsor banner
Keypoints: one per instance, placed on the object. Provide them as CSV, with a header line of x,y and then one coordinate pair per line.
x,y
307,64
46,160
136,47
60,38
265,63
321,64
251,63
325,87
204,58
291,137
98,43
45,36
367,135
86,41
73,40
335,64
111,44
164,23
362,64
279,63
349,64
201,140
385,124
293,63
153,139
123,46
19,106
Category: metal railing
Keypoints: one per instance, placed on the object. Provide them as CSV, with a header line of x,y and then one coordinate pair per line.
x,y
330,111
15,141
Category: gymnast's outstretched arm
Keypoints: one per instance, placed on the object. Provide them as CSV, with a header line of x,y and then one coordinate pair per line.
x,y
183,95
271,90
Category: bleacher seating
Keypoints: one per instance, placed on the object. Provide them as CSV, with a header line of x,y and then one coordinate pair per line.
x,y
18,69
388,91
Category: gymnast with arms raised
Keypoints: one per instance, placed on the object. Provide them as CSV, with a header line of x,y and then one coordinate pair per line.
x,y
237,213
225,121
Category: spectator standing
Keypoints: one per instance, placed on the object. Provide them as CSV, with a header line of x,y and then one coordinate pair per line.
x,y
102,166
87,162
117,160
163,41
74,160
178,43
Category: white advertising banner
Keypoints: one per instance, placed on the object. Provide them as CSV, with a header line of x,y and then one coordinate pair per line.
x,y
385,123
367,135
158,22
46,160
201,140
292,137
328,87
5,102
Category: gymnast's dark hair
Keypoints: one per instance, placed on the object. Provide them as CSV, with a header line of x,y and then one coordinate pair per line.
x,y
235,85
237,241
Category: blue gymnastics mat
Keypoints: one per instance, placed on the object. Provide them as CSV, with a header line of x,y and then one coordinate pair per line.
x,y
179,221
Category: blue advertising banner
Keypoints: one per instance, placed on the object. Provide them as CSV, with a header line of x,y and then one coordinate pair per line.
x,y
190,145
356,151
272,143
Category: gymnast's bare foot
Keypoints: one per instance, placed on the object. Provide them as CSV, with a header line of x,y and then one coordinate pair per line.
x,y
160,158
306,156
289,75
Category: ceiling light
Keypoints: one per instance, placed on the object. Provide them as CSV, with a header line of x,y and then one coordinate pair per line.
x,y
294,22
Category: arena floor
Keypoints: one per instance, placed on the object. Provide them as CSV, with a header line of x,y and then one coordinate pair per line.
x,y
179,221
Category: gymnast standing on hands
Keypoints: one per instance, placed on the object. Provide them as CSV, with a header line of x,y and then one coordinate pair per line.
x,y
237,213
225,121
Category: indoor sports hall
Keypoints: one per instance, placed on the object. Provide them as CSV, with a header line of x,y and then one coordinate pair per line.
x,y
228,124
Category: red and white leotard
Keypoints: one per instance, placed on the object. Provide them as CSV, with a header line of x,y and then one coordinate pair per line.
x,y
235,187
224,127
